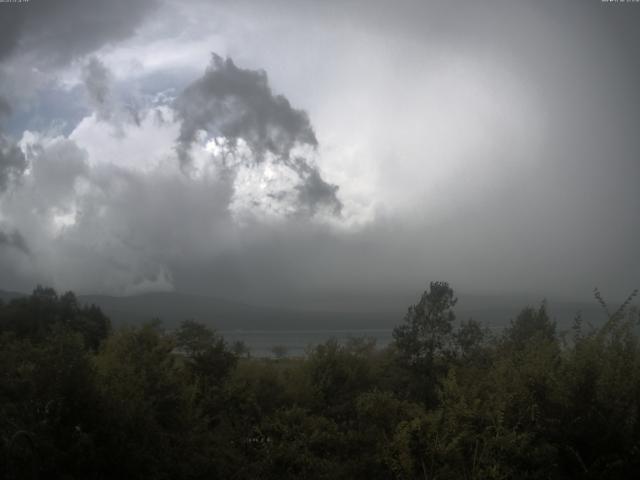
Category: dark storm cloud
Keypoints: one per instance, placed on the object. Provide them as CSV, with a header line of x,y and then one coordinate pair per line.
x,y
314,192
58,31
13,239
238,104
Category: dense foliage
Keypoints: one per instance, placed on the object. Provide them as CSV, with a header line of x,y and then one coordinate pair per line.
x,y
445,400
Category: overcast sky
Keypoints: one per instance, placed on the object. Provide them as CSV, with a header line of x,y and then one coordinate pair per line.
x,y
271,151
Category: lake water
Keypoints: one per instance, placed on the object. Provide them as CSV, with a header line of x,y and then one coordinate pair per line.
x,y
296,342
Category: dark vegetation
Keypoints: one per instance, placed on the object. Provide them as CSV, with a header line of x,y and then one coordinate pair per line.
x,y
446,400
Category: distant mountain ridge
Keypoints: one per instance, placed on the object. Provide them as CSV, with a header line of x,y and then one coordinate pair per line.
x,y
224,314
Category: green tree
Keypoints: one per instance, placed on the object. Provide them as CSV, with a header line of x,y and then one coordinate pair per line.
x,y
38,315
207,354
425,340
150,425
47,406
337,374
531,325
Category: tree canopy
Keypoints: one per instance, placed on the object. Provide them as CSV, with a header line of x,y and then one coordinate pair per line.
x,y
446,399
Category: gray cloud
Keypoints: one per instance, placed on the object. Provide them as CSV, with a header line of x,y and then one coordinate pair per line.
x,y
40,38
238,104
105,100
56,32
98,80
5,108
314,191
12,162
13,238
55,169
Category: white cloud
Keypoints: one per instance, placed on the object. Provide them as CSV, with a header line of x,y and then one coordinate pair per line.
x,y
141,148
